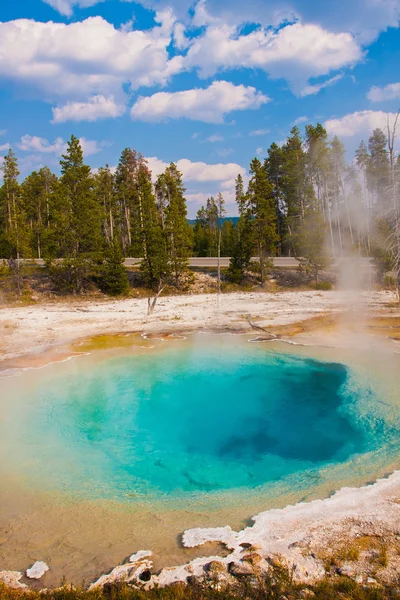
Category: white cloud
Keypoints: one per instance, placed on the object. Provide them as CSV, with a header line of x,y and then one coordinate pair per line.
x,y
257,132
180,40
208,105
388,92
295,52
65,7
224,152
85,58
34,143
260,151
300,120
215,138
358,123
4,147
202,179
39,145
198,171
311,90
97,107
363,18
3,131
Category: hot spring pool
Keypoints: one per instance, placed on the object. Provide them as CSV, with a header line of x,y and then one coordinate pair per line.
x,y
126,447
190,418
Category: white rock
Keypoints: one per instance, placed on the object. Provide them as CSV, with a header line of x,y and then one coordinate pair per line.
x,y
199,536
130,572
140,555
37,570
11,579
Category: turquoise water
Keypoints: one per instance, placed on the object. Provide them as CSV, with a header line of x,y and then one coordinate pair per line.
x,y
189,419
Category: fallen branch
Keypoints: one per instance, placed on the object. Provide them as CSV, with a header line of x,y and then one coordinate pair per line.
x,y
258,328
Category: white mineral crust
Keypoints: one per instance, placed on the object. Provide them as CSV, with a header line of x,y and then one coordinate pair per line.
x,y
37,570
12,579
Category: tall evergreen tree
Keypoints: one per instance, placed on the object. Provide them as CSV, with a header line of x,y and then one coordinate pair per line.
x,y
240,195
378,172
155,266
297,188
80,206
39,192
176,226
104,191
274,165
261,205
15,235
243,248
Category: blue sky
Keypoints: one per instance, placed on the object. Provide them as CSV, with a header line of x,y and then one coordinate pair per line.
x,y
208,85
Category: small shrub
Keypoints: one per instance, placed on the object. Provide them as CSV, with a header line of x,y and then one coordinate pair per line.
x,y
325,286
113,279
71,275
389,281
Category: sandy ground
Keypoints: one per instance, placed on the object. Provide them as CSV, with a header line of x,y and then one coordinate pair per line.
x,y
33,329
297,533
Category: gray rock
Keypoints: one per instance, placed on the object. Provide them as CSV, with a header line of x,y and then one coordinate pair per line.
x,y
346,570
240,569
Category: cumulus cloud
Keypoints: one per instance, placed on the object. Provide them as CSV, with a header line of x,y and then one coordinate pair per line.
x,y
363,18
295,52
359,123
39,145
85,58
388,92
209,105
65,7
198,171
97,107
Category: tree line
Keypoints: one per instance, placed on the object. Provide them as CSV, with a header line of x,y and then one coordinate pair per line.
x,y
303,199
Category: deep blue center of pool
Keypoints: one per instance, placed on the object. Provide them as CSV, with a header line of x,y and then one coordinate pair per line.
x,y
190,419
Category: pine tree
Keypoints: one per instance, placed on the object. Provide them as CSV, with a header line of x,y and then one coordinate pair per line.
x,y
176,226
240,195
155,267
104,191
82,211
39,192
127,197
378,172
310,241
243,248
15,231
298,191
274,165
337,188
113,279
362,162
261,205
220,205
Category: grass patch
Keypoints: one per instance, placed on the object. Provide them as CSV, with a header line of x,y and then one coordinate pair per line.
x,y
278,586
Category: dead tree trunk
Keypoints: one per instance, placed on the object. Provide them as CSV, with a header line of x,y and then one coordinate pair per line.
x,y
151,302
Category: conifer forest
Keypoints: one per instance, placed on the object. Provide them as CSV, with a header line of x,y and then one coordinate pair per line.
x,y
305,199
